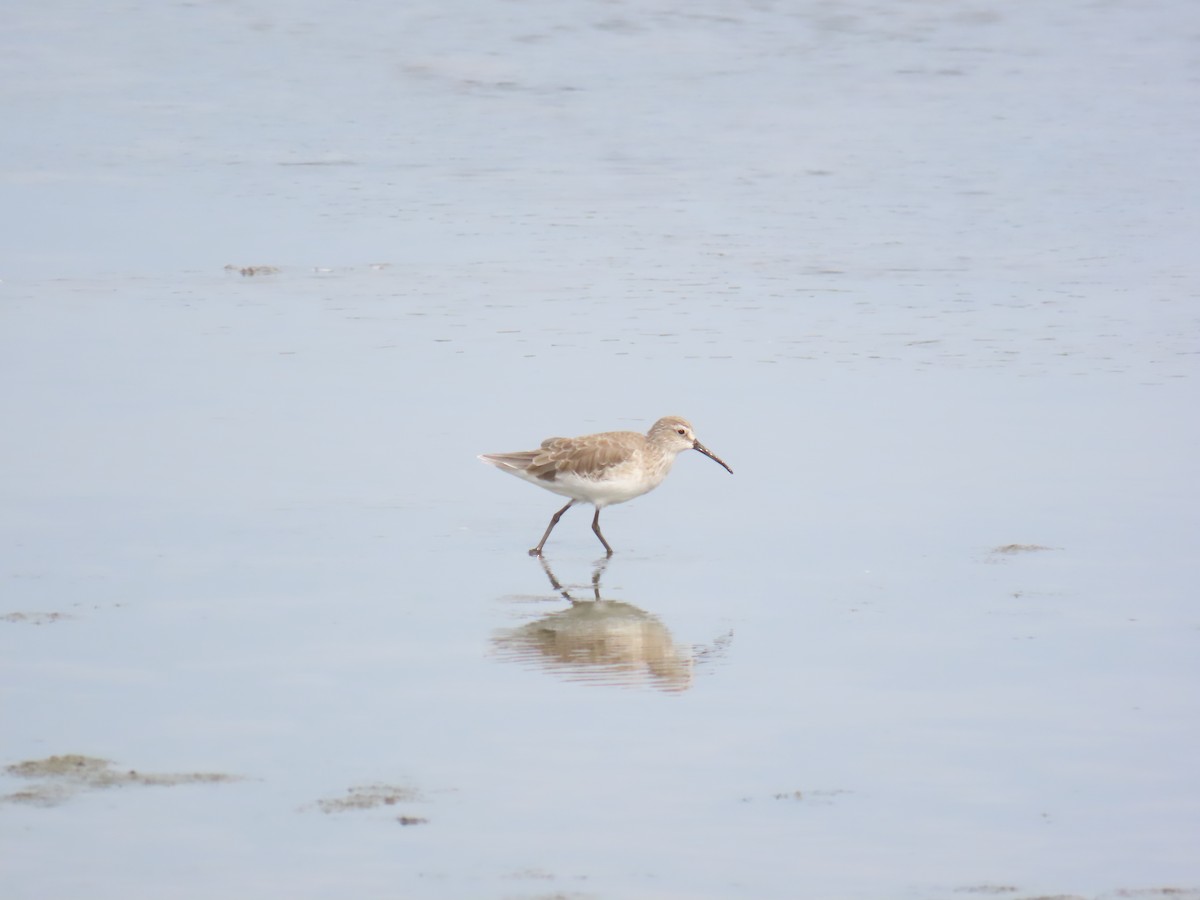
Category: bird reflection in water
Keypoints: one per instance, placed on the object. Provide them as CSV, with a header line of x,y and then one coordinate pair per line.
x,y
603,642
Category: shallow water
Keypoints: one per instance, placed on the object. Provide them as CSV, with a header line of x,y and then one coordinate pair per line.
x,y
923,276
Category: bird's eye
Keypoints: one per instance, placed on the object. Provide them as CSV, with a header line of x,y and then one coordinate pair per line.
x,y
681,431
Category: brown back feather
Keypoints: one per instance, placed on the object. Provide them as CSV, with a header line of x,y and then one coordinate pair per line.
x,y
570,455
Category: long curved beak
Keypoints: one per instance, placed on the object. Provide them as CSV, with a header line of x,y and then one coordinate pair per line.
x,y
699,446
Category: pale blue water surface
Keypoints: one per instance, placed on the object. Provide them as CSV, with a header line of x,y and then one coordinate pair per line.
x,y
923,274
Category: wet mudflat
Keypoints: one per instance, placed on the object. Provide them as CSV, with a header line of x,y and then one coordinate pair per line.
x,y
921,277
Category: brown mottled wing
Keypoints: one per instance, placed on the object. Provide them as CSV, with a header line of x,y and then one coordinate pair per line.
x,y
588,457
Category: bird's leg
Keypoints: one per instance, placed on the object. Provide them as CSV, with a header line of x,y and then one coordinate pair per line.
x,y
537,551
596,528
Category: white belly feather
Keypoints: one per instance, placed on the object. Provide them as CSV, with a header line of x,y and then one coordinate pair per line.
x,y
618,484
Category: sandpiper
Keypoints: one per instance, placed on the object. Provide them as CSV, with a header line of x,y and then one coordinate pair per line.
x,y
602,469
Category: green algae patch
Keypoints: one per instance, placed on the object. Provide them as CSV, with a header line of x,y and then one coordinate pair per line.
x,y
65,776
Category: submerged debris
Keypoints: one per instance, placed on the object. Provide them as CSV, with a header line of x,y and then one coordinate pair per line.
x,y
821,798
370,796
33,618
70,774
250,271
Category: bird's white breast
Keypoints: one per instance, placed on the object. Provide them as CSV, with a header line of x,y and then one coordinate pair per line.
x,y
616,484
